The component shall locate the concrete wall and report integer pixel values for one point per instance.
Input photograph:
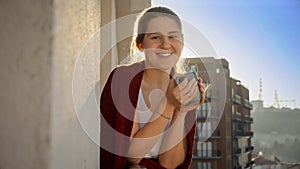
(75, 21)
(40, 41)
(40, 44)
(25, 83)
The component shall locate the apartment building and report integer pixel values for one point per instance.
(223, 137)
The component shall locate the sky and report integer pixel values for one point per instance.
(259, 39)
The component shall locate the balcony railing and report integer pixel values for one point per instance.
(237, 167)
(248, 119)
(239, 133)
(209, 135)
(204, 116)
(237, 152)
(247, 104)
(249, 164)
(237, 117)
(249, 148)
(236, 99)
(207, 154)
(248, 133)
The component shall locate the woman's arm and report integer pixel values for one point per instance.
(174, 146)
(151, 132)
(175, 141)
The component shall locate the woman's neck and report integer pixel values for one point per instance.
(156, 78)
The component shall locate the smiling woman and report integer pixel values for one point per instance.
(152, 29)
(155, 121)
(162, 44)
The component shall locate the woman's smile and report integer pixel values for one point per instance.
(164, 54)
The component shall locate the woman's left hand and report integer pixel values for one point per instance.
(186, 108)
(202, 90)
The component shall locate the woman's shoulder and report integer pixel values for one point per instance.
(123, 73)
(133, 66)
(129, 69)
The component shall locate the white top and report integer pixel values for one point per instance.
(144, 115)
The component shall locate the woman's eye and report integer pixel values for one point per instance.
(155, 37)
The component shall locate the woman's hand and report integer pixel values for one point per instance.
(202, 90)
(184, 92)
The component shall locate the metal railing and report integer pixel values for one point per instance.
(207, 154)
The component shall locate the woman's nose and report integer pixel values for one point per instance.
(165, 43)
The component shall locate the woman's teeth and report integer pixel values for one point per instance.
(164, 54)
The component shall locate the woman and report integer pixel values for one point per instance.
(142, 102)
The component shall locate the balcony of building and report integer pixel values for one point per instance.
(240, 133)
(208, 135)
(249, 148)
(237, 117)
(207, 116)
(247, 104)
(237, 133)
(248, 119)
(237, 167)
(207, 155)
(237, 152)
(249, 164)
(248, 133)
(236, 99)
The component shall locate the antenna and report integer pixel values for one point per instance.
(276, 101)
(260, 89)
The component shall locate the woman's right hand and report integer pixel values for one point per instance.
(183, 93)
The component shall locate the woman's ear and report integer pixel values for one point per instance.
(140, 46)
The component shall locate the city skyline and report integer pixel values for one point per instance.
(259, 40)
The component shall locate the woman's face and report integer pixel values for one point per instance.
(162, 44)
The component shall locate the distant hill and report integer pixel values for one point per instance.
(273, 120)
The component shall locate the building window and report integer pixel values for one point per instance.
(204, 149)
(199, 129)
(204, 110)
(207, 128)
(204, 165)
(204, 130)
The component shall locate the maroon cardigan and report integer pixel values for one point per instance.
(117, 105)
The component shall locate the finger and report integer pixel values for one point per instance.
(200, 80)
(202, 90)
(190, 85)
(191, 94)
(173, 94)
